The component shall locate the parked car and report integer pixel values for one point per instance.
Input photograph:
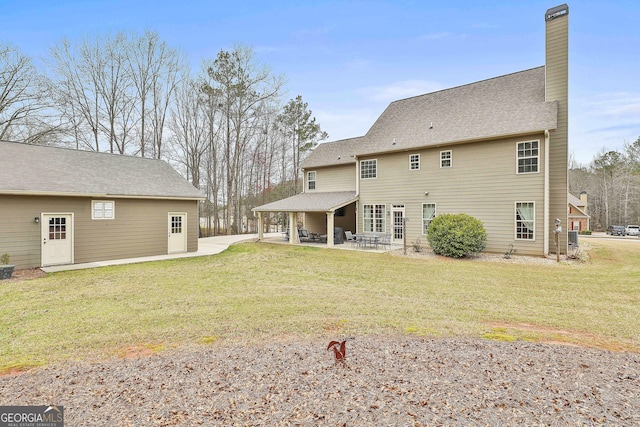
(633, 230)
(617, 230)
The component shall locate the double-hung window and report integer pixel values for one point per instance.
(428, 213)
(311, 180)
(368, 169)
(525, 220)
(102, 209)
(446, 159)
(414, 162)
(528, 156)
(373, 218)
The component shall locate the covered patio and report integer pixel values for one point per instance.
(322, 214)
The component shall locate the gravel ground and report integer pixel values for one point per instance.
(386, 381)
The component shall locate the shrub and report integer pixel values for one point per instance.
(456, 235)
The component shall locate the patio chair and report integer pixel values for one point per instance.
(350, 237)
(385, 240)
(303, 234)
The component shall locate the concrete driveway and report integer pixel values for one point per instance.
(206, 246)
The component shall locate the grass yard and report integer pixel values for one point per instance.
(261, 291)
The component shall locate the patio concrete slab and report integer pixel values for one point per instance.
(206, 246)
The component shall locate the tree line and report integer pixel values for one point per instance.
(225, 126)
(612, 183)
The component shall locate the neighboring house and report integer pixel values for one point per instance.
(495, 149)
(63, 206)
(578, 216)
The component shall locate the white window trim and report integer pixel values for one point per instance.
(410, 163)
(450, 159)
(373, 219)
(93, 210)
(435, 212)
(315, 180)
(518, 158)
(369, 160)
(515, 222)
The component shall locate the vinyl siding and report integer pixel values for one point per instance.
(557, 90)
(140, 228)
(334, 178)
(482, 182)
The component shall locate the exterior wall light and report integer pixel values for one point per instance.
(36, 219)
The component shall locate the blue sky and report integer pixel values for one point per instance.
(349, 59)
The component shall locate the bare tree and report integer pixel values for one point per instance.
(243, 87)
(155, 70)
(24, 101)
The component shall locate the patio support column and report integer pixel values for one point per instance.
(260, 226)
(293, 228)
(330, 225)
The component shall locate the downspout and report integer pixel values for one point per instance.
(357, 191)
(546, 193)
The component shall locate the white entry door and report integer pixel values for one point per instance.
(397, 215)
(57, 239)
(177, 233)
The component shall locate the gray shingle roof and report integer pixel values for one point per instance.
(37, 169)
(310, 202)
(575, 201)
(334, 153)
(513, 104)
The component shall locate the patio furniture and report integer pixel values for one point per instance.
(351, 238)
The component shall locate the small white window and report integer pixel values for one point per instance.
(103, 209)
(445, 159)
(528, 155)
(414, 162)
(525, 220)
(311, 180)
(368, 169)
(428, 213)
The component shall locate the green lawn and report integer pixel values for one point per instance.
(260, 291)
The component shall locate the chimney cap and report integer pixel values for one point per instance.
(556, 12)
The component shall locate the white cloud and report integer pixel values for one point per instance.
(347, 122)
(399, 90)
(436, 36)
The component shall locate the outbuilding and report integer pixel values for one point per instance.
(64, 206)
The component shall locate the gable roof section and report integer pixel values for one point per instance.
(334, 153)
(575, 201)
(579, 205)
(513, 104)
(310, 202)
(44, 170)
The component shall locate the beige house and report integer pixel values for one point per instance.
(495, 149)
(62, 206)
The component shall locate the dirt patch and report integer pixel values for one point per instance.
(26, 274)
(565, 337)
(136, 352)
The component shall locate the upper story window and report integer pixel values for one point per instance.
(528, 155)
(368, 169)
(103, 209)
(311, 180)
(414, 162)
(445, 159)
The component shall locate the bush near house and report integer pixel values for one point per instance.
(456, 235)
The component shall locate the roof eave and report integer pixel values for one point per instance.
(97, 195)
